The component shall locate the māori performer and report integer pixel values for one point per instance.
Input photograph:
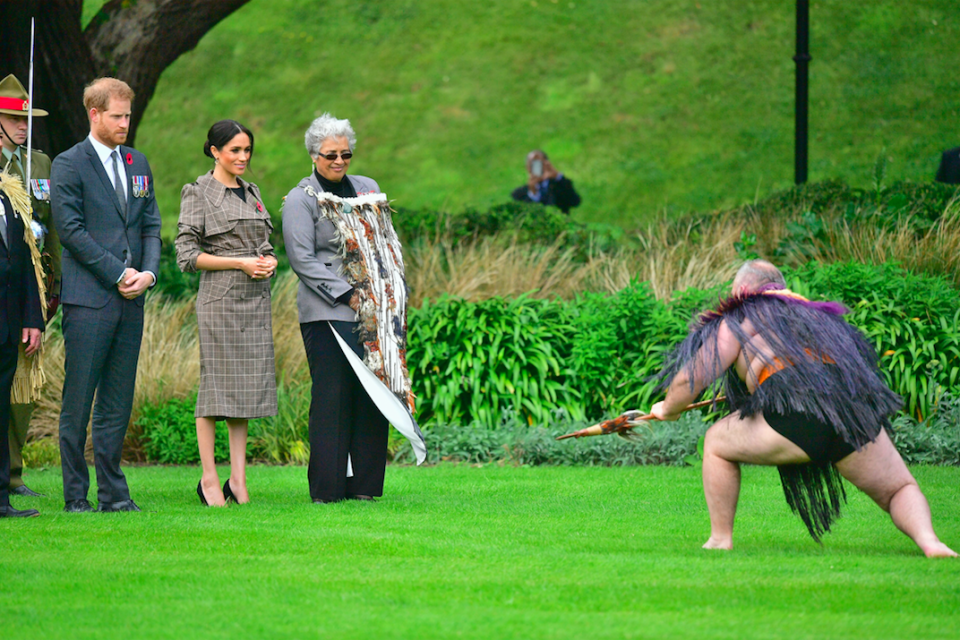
(806, 396)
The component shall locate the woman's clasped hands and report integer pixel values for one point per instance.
(259, 268)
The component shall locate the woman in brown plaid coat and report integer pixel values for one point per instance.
(224, 232)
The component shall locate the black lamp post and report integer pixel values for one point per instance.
(802, 58)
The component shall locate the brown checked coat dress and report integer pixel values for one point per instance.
(237, 371)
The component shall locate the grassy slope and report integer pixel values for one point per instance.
(473, 553)
(678, 104)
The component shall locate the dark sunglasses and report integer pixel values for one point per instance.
(346, 155)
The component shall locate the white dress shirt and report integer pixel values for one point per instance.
(104, 153)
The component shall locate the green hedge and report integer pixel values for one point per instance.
(935, 441)
(169, 433)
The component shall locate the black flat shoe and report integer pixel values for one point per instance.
(77, 506)
(24, 490)
(362, 498)
(203, 498)
(117, 507)
(10, 512)
(228, 493)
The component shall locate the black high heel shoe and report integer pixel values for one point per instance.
(228, 492)
(203, 498)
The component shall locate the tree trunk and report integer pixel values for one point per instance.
(132, 41)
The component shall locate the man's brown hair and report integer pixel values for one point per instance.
(97, 94)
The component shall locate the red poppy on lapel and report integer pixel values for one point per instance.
(129, 158)
(259, 207)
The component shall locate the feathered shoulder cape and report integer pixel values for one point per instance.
(824, 366)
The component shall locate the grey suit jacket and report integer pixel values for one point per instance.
(95, 235)
(313, 251)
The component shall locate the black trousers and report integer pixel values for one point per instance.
(102, 350)
(343, 419)
(8, 366)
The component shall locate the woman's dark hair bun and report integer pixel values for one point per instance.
(223, 132)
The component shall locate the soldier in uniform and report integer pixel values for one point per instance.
(13, 135)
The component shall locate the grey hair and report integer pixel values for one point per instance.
(756, 273)
(326, 126)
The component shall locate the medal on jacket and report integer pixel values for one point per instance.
(41, 189)
(141, 186)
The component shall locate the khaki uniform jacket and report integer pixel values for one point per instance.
(40, 170)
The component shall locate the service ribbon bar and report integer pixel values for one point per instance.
(141, 186)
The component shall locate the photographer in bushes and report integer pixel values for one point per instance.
(546, 185)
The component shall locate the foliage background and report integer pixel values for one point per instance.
(648, 105)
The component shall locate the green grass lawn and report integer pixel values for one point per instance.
(457, 551)
(646, 105)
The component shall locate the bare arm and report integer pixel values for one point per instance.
(704, 371)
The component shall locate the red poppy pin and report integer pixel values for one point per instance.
(129, 158)
(259, 207)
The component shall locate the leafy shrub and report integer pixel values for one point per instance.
(521, 222)
(619, 342)
(284, 438)
(851, 282)
(923, 202)
(169, 433)
(475, 361)
(913, 322)
(41, 453)
(815, 197)
(919, 358)
(935, 440)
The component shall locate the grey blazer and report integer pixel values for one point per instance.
(313, 252)
(96, 237)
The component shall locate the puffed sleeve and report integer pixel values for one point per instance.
(190, 228)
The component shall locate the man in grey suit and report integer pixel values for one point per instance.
(109, 225)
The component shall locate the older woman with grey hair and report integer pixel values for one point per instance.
(344, 422)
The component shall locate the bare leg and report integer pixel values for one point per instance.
(721, 488)
(238, 459)
(209, 482)
(728, 443)
(879, 471)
